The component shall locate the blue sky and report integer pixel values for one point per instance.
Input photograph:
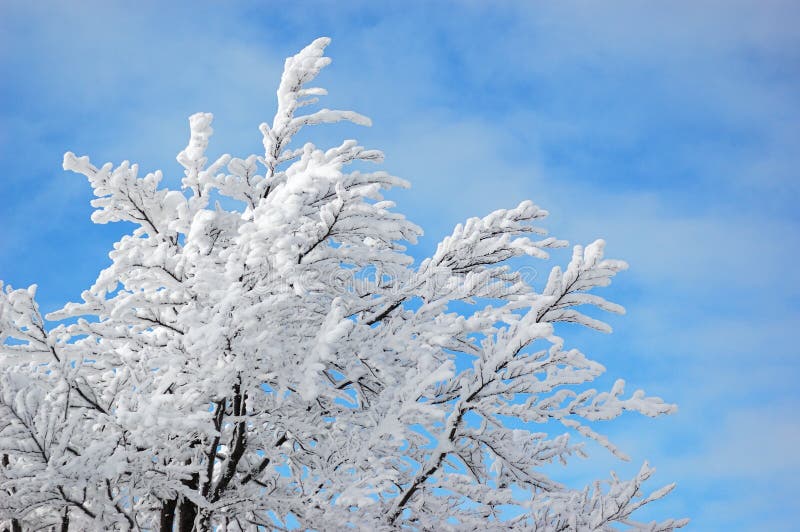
(672, 130)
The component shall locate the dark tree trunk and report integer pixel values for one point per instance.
(65, 521)
(187, 510)
(187, 513)
(167, 516)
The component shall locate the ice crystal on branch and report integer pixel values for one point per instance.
(286, 362)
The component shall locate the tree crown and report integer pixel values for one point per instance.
(282, 359)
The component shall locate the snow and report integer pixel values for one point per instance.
(243, 362)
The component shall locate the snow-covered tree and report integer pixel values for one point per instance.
(262, 352)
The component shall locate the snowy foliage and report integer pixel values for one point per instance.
(282, 361)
